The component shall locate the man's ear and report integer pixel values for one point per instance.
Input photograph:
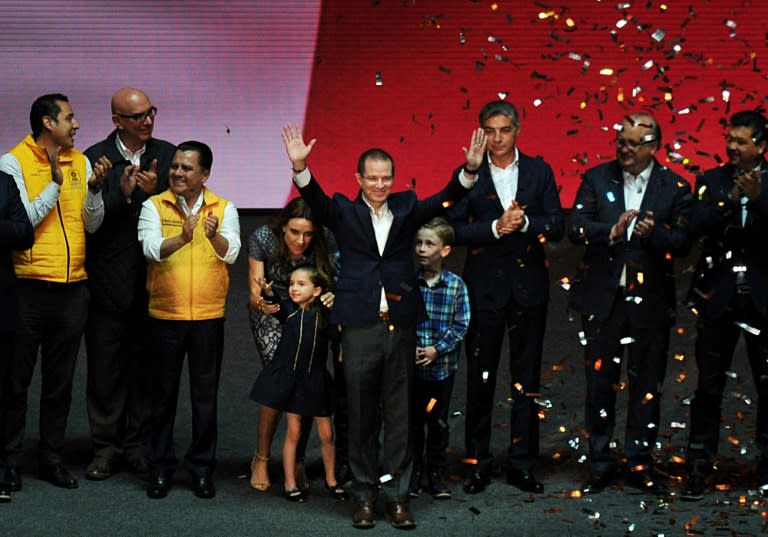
(48, 122)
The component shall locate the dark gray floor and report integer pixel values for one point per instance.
(119, 506)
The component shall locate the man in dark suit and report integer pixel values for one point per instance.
(504, 222)
(377, 304)
(729, 292)
(16, 233)
(118, 396)
(632, 215)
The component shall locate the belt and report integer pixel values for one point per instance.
(384, 315)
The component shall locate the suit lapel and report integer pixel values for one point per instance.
(363, 213)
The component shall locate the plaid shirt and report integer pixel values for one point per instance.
(447, 322)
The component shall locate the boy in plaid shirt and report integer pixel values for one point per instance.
(437, 353)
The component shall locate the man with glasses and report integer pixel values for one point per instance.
(729, 293)
(118, 397)
(377, 305)
(632, 215)
(504, 221)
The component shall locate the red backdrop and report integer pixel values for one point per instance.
(573, 71)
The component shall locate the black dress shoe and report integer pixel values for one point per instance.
(12, 478)
(57, 474)
(476, 482)
(524, 480)
(203, 487)
(597, 482)
(646, 481)
(694, 487)
(158, 487)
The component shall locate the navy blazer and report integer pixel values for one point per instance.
(363, 270)
(515, 264)
(16, 233)
(726, 244)
(649, 277)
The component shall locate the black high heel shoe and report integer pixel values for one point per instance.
(295, 495)
(336, 491)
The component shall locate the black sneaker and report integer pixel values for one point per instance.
(694, 487)
(437, 486)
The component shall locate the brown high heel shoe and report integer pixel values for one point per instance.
(255, 482)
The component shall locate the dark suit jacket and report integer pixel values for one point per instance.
(726, 244)
(16, 233)
(115, 264)
(598, 205)
(363, 270)
(515, 264)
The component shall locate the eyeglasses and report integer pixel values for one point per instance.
(372, 179)
(631, 144)
(141, 117)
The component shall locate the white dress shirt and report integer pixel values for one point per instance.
(634, 191)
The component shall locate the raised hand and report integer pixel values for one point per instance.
(147, 181)
(128, 180)
(474, 153)
(295, 147)
(56, 175)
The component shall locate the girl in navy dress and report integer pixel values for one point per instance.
(297, 380)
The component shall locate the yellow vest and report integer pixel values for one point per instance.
(190, 284)
(58, 254)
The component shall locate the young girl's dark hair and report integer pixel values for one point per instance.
(318, 279)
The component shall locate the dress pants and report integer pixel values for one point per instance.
(484, 341)
(7, 339)
(51, 319)
(118, 392)
(715, 344)
(378, 368)
(203, 344)
(646, 366)
(435, 420)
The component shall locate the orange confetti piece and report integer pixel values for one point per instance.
(431, 405)
(598, 364)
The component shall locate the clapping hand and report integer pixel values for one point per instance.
(644, 227)
(147, 181)
(100, 170)
(56, 175)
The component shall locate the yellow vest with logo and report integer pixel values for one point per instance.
(58, 254)
(190, 284)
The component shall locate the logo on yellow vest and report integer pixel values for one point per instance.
(74, 178)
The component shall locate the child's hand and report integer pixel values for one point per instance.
(425, 355)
